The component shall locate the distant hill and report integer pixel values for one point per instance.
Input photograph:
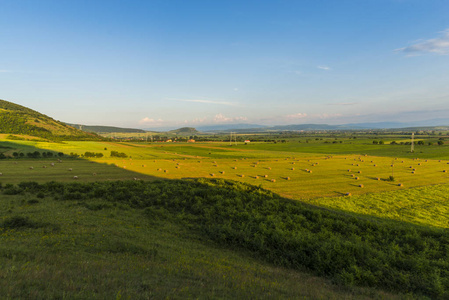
(105, 129)
(17, 119)
(184, 131)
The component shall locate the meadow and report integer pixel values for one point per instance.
(348, 180)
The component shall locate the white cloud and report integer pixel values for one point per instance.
(5, 71)
(325, 68)
(236, 89)
(219, 118)
(149, 121)
(438, 46)
(207, 101)
(297, 116)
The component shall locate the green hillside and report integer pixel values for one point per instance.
(184, 131)
(105, 129)
(17, 119)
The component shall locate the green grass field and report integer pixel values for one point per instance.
(315, 173)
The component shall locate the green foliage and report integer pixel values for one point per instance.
(19, 222)
(350, 249)
(118, 154)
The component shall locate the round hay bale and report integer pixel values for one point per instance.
(70, 169)
(1, 174)
(356, 178)
(307, 170)
(165, 171)
(222, 172)
(242, 175)
(288, 178)
(212, 174)
(269, 168)
(348, 194)
(31, 168)
(352, 175)
(266, 176)
(375, 165)
(44, 167)
(360, 172)
(377, 178)
(358, 165)
(75, 177)
(349, 170)
(293, 169)
(400, 184)
(273, 180)
(52, 164)
(444, 171)
(360, 185)
(256, 177)
(159, 169)
(94, 174)
(413, 172)
(310, 171)
(235, 168)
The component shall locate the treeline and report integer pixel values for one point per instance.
(350, 249)
(35, 154)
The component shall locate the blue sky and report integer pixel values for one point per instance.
(149, 64)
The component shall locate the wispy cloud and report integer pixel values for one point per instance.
(150, 121)
(325, 68)
(438, 46)
(220, 118)
(206, 101)
(297, 116)
(5, 71)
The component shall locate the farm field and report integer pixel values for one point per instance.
(297, 175)
(415, 202)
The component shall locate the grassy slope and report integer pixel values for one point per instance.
(111, 251)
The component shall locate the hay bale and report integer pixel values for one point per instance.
(52, 164)
(75, 177)
(165, 171)
(348, 194)
(400, 184)
(360, 185)
(94, 174)
(357, 178)
(307, 170)
(256, 177)
(159, 169)
(266, 176)
(352, 175)
(413, 172)
(212, 174)
(310, 171)
(293, 169)
(242, 175)
(377, 178)
(349, 170)
(235, 168)
(375, 165)
(360, 172)
(222, 172)
(444, 171)
(273, 180)
(269, 168)
(31, 168)
(288, 178)
(44, 167)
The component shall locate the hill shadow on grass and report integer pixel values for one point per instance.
(49, 166)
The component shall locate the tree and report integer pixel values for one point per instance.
(440, 142)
